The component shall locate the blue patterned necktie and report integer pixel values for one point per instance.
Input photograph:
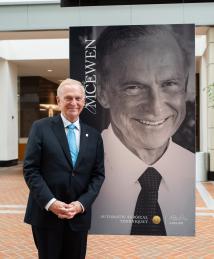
(72, 143)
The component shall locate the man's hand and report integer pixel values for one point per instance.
(64, 210)
(59, 208)
(72, 209)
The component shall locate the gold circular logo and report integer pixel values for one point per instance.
(156, 220)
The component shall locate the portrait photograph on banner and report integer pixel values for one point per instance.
(140, 93)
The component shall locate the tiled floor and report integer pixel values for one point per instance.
(16, 240)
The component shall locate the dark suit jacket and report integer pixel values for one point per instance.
(49, 172)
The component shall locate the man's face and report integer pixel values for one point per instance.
(146, 92)
(71, 101)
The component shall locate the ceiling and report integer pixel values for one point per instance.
(60, 68)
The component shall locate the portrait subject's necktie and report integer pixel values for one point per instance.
(72, 143)
(148, 219)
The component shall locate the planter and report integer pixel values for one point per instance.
(201, 166)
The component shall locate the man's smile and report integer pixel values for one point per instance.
(153, 123)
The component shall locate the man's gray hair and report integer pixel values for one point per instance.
(70, 82)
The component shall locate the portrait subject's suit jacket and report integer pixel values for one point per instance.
(49, 172)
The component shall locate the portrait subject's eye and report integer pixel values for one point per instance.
(133, 89)
(171, 84)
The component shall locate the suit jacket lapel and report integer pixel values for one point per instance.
(84, 135)
(59, 131)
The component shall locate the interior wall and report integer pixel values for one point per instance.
(52, 16)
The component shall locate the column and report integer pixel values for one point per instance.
(210, 119)
(8, 114)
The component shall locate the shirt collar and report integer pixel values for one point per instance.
(131, 162)
(121, 159)
(67, 122)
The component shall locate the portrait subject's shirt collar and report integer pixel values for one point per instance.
(123, 167)
(132, 162)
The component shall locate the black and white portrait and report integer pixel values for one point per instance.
(144, 81)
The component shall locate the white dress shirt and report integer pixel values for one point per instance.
(77, 135)
(116, 202)
(76, 129)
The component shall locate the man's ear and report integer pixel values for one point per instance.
(57, 99)
(102, 96)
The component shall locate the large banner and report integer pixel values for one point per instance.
(67, 3)
(140, 83)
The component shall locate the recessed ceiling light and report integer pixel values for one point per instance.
(50, 70)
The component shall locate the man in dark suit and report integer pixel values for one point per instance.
(64, 170)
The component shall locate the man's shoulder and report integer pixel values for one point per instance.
(183, 152)
(45, 121)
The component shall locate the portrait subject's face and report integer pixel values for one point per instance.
(71, 101)
(146, 91)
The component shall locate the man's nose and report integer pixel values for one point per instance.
(73, 101)
(156, 101)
